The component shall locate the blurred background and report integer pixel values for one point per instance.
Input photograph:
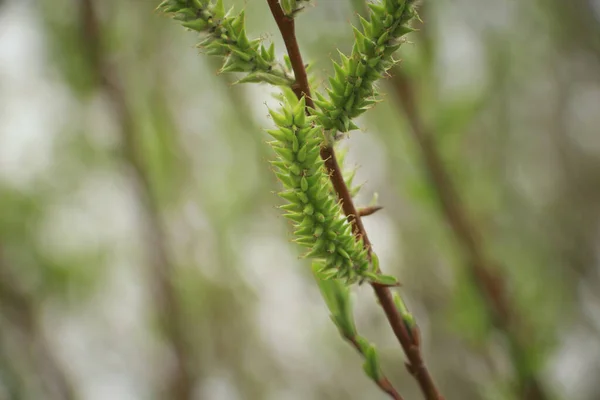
(142, 255)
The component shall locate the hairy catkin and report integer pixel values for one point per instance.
(318, 220)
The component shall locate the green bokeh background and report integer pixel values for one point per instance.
(90, 230)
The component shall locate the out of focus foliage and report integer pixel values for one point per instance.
(92, 232)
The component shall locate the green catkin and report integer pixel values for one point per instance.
(319, 223)
(318, 220)
(313, 208)
(352, 89)
(225, 36)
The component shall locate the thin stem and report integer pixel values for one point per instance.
(287, 28)
(181, 382)
(415, 365)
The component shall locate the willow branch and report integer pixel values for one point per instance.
(181, 382)
(301, 88)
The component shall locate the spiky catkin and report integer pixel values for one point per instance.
(226, 37)
(352, 88)
(319, 222)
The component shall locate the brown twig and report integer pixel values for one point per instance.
(415, 364)
(181, 382)
(490, 284)
(366, 211)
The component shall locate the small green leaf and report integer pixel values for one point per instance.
(375, 262)
(264, 77)
(386, 280)
(371, 365)
(196, 25)
(288, 62)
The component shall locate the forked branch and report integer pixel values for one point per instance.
(407, 338)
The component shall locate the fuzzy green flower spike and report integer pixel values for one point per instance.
(227, 38)
(352, 90)
(319, 222)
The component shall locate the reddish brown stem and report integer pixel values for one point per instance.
(301, 87)
(287, 27)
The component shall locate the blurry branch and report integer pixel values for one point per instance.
(237, 96)
(18, 307)
(484, 271)
(181, 383)
(12, 383)
(396, 320)
(577, 24)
